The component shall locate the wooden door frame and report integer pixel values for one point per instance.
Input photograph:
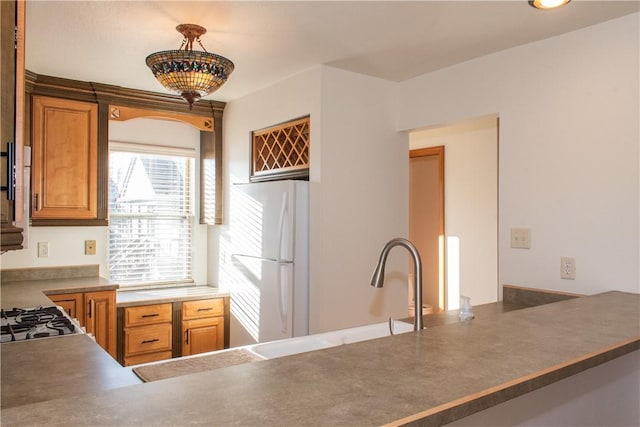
(438, 151)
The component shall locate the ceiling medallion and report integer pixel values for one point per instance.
(190, 73)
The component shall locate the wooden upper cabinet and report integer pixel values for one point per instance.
(64, 159)
(12, 96)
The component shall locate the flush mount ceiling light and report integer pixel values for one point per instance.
(547, 4)
(187, 72)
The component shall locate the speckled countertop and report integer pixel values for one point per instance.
(58, 367)
(158, 296)
(433, 376)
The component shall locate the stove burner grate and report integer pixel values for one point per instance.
(25, 324)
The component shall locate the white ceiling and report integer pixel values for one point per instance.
(108, 41)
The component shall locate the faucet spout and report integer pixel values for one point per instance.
(377, 279)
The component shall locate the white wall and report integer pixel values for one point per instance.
(359, 194)
(66, 247)
(66, 244)
(569, 131)
(292, 98)
(361, 202)
(471, 202)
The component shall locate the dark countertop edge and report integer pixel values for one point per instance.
(81, 288)
(468, 405)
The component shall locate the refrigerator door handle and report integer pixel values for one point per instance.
(284, 212)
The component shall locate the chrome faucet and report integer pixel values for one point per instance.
(377, 280)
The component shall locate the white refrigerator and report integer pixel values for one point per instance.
(269, 244)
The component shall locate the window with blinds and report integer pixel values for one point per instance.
(151, 214)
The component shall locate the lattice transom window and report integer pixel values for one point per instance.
(281, 151)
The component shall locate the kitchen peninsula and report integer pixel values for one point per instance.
(431, 377)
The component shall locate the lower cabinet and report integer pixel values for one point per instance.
(96, 311)
(100, 318)
(202, 326)
(73, 304)
(152, 332)
(147, 333)
(202, 335)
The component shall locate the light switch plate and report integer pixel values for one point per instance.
(89, 247)
(521, 238)
(43, 249)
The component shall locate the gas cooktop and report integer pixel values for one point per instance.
(19, 324)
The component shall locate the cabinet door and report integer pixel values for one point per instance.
(100, 318)
(65, 159)
(202, 335)
(12, 14)
(73, 304)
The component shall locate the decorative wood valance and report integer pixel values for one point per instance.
(119, 103)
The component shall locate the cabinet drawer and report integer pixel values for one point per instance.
(147, 339)
(202, 308)
(147, 315)
(146, 358)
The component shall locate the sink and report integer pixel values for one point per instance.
(369, 332)
(285, 347)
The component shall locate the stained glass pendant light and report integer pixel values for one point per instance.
(187, 72)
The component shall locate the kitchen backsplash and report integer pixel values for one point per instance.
(44, 273)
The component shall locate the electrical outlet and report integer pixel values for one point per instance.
(89, 247)
(520, 238)
(567, 268)
(43, 249)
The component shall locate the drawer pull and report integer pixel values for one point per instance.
(151, 315)
(150, 341)
(205, 309)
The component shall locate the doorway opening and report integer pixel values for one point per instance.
(426, 222)
(460, 253)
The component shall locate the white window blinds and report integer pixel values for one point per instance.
(150, 214)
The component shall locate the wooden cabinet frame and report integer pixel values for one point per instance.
(12, 117)
(137, 102)
(96, 311)
(281, 151)
(177, 331)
